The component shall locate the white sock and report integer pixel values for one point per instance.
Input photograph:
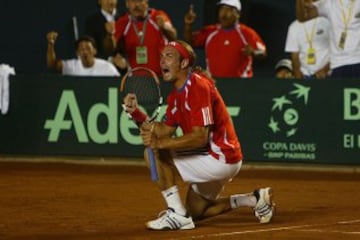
(173, 200)
(242, 200)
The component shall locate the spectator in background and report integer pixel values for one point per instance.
(141, 34)
(309, 45)
(96, 25)
(284, 69)
(344, 17)
(85, 65)
(229, 45)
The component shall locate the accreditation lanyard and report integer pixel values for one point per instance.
(140, 34)
(346, 21)
(141, 50)
(310, 54)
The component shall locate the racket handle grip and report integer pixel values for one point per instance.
(152, 162)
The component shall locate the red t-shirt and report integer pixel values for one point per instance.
(224, 49)
(126, 34)
(199, 103)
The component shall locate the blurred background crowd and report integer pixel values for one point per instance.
(268, 30)
(23, 44)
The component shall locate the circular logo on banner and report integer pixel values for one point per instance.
(285, 115)
(291, 116)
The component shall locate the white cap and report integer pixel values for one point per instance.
(284, 63)
(232, 3)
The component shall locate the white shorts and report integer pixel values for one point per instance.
(206, 174)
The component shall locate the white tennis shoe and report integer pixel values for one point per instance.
(265, 207)
(170, 220)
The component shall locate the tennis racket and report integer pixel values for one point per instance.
(145, 84)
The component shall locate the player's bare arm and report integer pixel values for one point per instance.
(150, 132)
(161, 130)
(197, 138)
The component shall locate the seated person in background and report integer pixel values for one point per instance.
(98, 25)
(230, 46)
(284, 69)
(85, 65)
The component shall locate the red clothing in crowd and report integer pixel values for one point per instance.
(225, 48)
(128, 33)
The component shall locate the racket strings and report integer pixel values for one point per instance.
(146, 90)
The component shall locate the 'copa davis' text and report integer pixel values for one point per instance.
(284, 150)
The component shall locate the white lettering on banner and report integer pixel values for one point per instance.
(289, 150)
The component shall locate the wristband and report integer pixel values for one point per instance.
(138, 116)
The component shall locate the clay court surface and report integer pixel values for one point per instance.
(96, 199)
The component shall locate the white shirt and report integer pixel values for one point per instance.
(299, 34)
(109, 17)
(333, 10)
(101, 67)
